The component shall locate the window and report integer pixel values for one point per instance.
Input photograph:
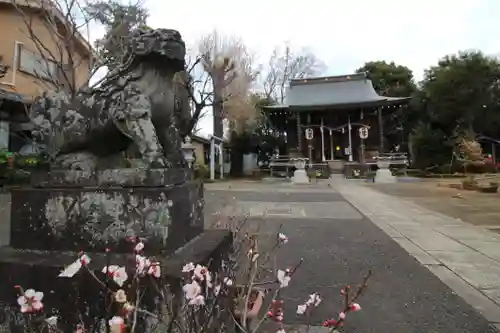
(36, 65)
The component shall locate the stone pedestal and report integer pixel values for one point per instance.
(384, 174)
(300, 175)
(67, 212)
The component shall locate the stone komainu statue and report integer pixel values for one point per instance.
(139, 103)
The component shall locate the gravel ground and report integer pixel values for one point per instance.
(339, 249)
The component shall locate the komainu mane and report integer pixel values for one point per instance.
(138, 104)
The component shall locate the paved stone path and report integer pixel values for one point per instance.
(339, 244)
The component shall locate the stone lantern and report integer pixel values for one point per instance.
(188, 151)
(300, 174)
(384, 174)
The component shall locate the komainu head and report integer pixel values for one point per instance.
(163, 45)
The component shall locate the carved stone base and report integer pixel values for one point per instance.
(112, 177)
(95, 218)
(300, 177)
(384, 176)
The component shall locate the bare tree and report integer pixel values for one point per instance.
(66, 55)
(217, 57)
(285, 65)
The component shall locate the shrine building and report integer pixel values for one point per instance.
(334, 118)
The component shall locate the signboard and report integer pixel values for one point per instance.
(363, 132)
(309, 133)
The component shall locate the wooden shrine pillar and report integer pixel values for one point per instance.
(299, 134)
(362, 141)
(380, 130)
(309, 142)
(323, 158)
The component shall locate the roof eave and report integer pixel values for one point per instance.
(351, 105)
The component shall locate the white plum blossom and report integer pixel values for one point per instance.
(283, 239)
(228, 281)
(189, 267)
(198, 300)
(30, 301)
(142, 264)
(139, 247)
(51, 321)
(72, 269)
(301, 309)
(120, 296)
(117, 273)
(283, 278)
(313, 301)
(191, 290)
(281, 330)
(217, 289)
(200, 272)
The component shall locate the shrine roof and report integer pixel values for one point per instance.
(345, 91)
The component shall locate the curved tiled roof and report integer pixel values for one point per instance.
(334, 91)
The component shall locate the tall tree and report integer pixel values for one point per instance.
(389, 79)
(462, 93)
(118, 20)
(459, 99)
(224, 59)
(287, 64)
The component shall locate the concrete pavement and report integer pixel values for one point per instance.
(339, 243)
(463, 256)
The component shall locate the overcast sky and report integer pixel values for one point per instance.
(344, 34)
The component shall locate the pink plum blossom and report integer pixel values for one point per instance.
(355, 307)
(283, 239)
(30, 301)
(117, 273)
(342, 316)
(155, 270)
(117, 324)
